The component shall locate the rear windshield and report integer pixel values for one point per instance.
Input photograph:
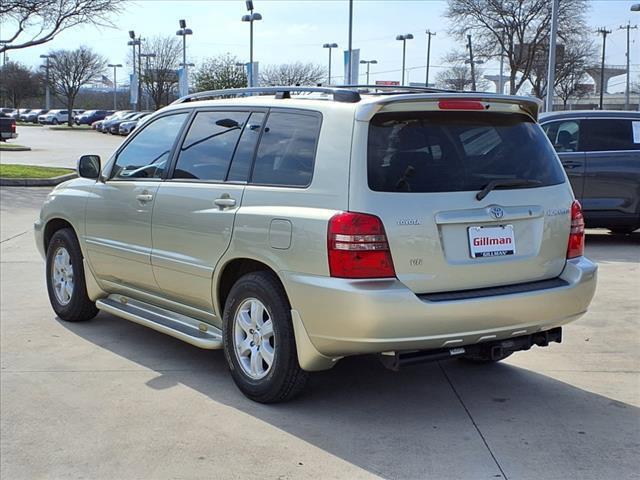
(456, 151)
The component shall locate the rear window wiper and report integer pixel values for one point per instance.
(504, 183)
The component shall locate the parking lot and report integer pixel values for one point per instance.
(110, 399)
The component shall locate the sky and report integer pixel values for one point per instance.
(295, 31)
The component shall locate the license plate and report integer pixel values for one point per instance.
(491, 241)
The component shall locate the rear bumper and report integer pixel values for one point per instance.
(347, 317)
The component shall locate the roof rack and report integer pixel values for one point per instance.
(390, 89)
(347, 95)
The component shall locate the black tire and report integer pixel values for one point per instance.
(54, 121)
(284, 379)
(484, 358)
(623, 230)
(79, 307)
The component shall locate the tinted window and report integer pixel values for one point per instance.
(243, 157)
(564, 135)
(287, 150)
(607, 134)
(146, 156)
(456, 151)
(209, 145)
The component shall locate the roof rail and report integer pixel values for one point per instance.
(339, 94)
(406, 88)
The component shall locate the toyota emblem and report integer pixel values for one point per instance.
(496, 212)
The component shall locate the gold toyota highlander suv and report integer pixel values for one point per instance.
(294, 226)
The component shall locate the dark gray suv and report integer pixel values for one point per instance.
(600, 150)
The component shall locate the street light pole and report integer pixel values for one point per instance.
(252, 17)
(604, 33)
(350, 46)
(551, 69)
(429, 35)
(133, 42)
(47, 94)
(115, 84)
(183, 32)
(368, 63)
(330, 46)
(404, 38)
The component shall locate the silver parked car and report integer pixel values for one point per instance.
(305, 224)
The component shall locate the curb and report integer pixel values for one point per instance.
(35, 182)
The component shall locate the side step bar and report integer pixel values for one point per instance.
(495, 349)
(184, 328)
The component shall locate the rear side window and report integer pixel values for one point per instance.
(287, 150)
(564, 135)
(607, 135)
(208, 147)
(456, 151)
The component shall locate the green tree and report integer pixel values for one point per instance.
(218, 73)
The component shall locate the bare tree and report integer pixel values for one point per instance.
(458, 75)
(573, 58)
(297, 73)
(220, 72)
(18, 83)
(26, 23)
(70, 70)
(517, 27)
(160, 81)
(572, 86)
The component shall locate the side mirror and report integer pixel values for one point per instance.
(89, 166)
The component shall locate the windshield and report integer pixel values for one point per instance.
(457, 151)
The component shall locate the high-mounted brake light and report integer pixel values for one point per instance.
(358, 247)
(461, 105)
(576, 234)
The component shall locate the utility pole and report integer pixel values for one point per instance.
(429, 34)
(604, 32)
(628, 28)
(551, 69)
(473, 71)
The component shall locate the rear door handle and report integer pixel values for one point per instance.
(570, 164)
(225, 201)
(144, 197)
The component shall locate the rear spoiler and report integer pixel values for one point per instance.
(530, 106)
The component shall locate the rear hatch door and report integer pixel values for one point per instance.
(420, 171)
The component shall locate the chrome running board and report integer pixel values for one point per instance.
(178, 326)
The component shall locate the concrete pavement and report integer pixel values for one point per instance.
(60, 148)
(108, 399)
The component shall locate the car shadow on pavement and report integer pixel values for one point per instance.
(431, 421)
(603, 246)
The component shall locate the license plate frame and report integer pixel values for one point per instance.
(491, 241)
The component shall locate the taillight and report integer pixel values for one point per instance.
(13, 127)
(460, 105)
(358, 247)
(576, 234)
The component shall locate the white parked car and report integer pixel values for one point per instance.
(54, 117)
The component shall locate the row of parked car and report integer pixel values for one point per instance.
(121, 122)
